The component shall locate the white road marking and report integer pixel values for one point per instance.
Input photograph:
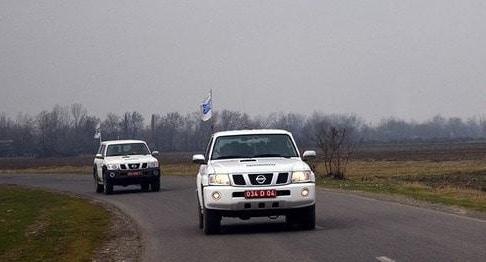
(384, 259)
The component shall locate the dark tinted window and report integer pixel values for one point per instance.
(127, 149)
(252, 146)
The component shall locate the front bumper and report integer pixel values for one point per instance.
(232, 199)
(122, 177)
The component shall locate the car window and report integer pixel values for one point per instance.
(127, 149)
(252, 146)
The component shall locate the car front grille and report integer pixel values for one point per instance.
(133, 166)
(260, 179)
(263, 179)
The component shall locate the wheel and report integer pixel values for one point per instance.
(305, 217)
(201, 217)
(99, 188)
(108, 186)
(211, 222)
(155, 186)
(308, 218)
(145, 187)
(290, 219)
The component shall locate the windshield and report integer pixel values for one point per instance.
(250, 146)
(127, 149)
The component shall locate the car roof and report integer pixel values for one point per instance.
(252, 132)
(117, 142)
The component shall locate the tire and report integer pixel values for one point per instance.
(290, 220)
(99, 188)
(155, 186)
(308, 218)
(108, 186)
(201, 217)
(305, 217)
(145, 187)
(211, 222)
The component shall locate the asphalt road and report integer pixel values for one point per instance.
(350, 227)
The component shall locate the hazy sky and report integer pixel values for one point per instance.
(409, 59)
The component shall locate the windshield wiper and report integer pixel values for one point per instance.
(271, 155)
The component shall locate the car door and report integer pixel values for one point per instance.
(99, 162)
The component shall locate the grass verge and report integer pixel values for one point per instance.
(36, 225)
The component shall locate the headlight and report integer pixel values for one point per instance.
(302, 176)
(219, 180)
(113, 166)
(153, 164)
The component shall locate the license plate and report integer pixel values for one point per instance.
(134, 173)
(267, 193)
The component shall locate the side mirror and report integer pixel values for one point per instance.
(99, 156)
(155, 153)
(309, 154)
(198, 159)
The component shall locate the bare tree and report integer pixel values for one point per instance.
(110, 127)
(132, 125)
(334, 136)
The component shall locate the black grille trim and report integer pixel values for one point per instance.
(282, 178)
(239, 180)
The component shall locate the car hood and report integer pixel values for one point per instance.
(258, 165)
(129, 159)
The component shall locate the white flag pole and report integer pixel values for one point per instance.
(212, 107)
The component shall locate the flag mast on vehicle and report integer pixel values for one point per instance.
(207, 109)
(97, 134)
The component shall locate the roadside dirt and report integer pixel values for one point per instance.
(124, 241)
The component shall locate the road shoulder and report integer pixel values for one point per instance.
(403, 200)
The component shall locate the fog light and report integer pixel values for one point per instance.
(156, 172)
(112, 175)
(216, 195)
(305, 192)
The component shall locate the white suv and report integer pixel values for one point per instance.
(125, 162)
(254, 173)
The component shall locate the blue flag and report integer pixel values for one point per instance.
(207, 108)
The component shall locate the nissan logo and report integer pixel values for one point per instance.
(261, 179)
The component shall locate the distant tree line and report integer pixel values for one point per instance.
(69, 130)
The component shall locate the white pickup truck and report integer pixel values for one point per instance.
(125, 162)
(254, 173)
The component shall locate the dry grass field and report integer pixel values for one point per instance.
(457, 183)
